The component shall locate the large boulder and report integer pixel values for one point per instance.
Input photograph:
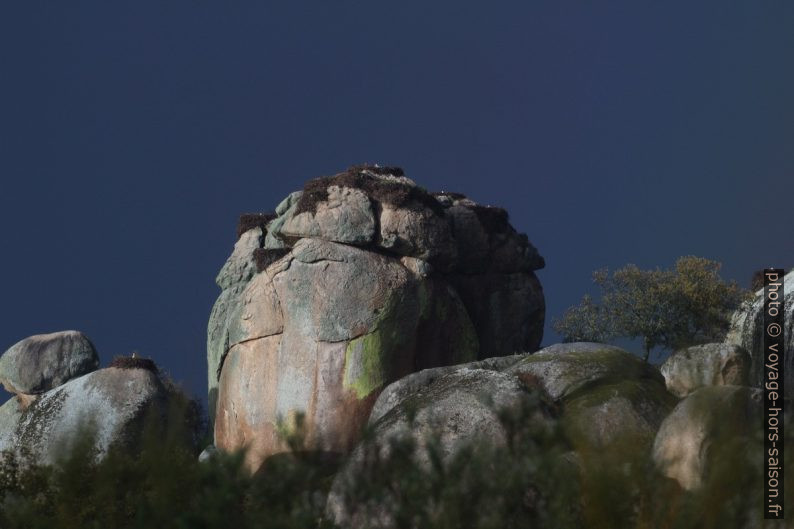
(490, 265)
(598, 399)
(45, 361)
(567, 368)
(345, 216)
(415, 383)
(714, 364)
(319, 333)
(747, 330)
(714, 428)
(455, 410)
(607, 395)
(610, 397)
(109, 403)
(358, 280)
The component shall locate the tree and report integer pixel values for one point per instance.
(687, 305)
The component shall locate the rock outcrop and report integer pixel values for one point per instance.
(110, 403)
(42, 362)
(459, 408)
(747, 330)
(609, 396)
(60, 395)
(606, 394)
(601, 397)
(714, 364)
(353, 283)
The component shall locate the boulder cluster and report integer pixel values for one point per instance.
(602, 397)
(352, 283)
(59, 391)
(366, 302)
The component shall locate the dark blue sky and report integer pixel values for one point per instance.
(131, 137)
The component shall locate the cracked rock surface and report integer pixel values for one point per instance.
(357, 280)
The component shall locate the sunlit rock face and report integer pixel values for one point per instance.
(110, 404)
(713, 364)
(747, 330)
(354, 282)
(712, 426)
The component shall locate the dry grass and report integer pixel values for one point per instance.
(128, 362)
(364, 177)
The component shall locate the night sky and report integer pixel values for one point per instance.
(132, 137)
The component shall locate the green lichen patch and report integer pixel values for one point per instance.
(365, 364)
(378, 357)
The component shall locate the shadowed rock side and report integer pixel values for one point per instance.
(360, 279)
(747, 330)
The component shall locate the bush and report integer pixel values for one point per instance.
(532, 481)
(248, 221)
(133, 362)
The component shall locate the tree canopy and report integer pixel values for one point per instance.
(679, 307)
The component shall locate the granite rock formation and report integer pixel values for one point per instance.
(354, 282)
(59, 394)
(601, 397)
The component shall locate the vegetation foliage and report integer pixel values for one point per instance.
(134, 362)
(671, 309)
(533, 480)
